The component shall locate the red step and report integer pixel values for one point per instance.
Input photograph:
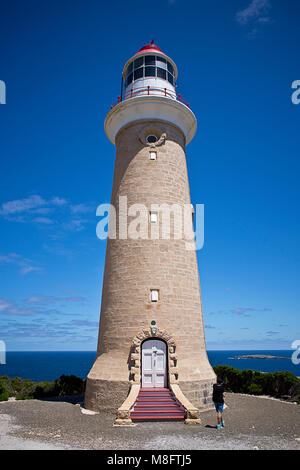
(156, 404)
(158, 389)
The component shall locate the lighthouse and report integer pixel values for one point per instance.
(151, 359)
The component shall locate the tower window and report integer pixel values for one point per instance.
(152, 155)
(154, 295)
(151, 139)
(153, 217)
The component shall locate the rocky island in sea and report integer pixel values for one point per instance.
(259, 356)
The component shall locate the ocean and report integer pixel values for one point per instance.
(49, 365)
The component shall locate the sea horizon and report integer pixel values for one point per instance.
(46, 365)
(93, 350)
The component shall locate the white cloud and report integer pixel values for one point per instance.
(4, 305)
(82, 208)
(255, 17)
(42, 307)
(32, 204)
(52, 299)
(43, 220)
(65, 217)
(58, 201)
(255, 10)
(21, 205)
(26, 265)
(29, 269)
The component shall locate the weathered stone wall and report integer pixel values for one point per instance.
(134, 267)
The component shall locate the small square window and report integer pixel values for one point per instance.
(154, 295)
(153, 217)
(152, 155)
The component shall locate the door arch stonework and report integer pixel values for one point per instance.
(135, 355)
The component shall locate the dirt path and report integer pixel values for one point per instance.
(250, 423)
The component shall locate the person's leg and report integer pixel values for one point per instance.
(219, 410)
(219, 415)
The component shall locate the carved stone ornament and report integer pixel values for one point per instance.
(152, 130)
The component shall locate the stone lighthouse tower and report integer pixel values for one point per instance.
(151, 335)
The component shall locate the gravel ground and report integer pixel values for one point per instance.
(250, 423)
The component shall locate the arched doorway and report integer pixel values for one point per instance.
(154, 363)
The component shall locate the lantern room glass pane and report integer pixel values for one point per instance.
(129, 69)
(149, 71)
(150, 60)
(170, 78)
(170, 68)
(138, 73)
(129, 79)
(160, 62)
(161, 73)
(138, 62)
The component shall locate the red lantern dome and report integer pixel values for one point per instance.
(150, 48)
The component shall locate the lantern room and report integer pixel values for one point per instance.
(148, 92)
(149, 69)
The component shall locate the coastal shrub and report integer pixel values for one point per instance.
(23, 396)
(276, 384)
(283, 382)
(3, 393)
(295, 392)
(25, 389)
(22, 389)
(69, 385)
(246, 378)
(45, 389)
(255, 389)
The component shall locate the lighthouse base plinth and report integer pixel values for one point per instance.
(199, 392)
(105, 395)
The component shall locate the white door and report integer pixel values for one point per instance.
(154, 364)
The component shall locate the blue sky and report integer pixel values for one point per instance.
(61, 62)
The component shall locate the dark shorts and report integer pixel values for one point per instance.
(219, 407)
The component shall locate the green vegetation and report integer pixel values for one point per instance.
(3, 393)
(25, 389)
(276, 384)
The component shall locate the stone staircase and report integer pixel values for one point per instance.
(156, 404)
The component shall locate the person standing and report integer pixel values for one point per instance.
(218, 399)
